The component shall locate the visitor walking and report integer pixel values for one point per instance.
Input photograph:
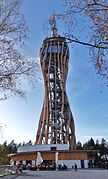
(75, 167)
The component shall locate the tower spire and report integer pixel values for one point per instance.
(52, 22)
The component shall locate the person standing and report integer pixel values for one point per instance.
(75, 167)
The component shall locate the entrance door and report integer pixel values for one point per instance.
(82, 164)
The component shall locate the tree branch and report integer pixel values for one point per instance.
(87, 44)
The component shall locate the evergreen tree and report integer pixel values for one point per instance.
(79, 145)
(90, 145)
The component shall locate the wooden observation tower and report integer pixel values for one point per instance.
(56, 123)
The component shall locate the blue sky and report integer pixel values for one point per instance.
(87, 96)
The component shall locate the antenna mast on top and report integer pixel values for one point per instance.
(52, 22)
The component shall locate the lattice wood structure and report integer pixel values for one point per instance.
(56, 123)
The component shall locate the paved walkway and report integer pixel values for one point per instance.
(80, 174)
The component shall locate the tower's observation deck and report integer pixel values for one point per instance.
(56, 124)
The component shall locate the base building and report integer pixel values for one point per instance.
(28, 154)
